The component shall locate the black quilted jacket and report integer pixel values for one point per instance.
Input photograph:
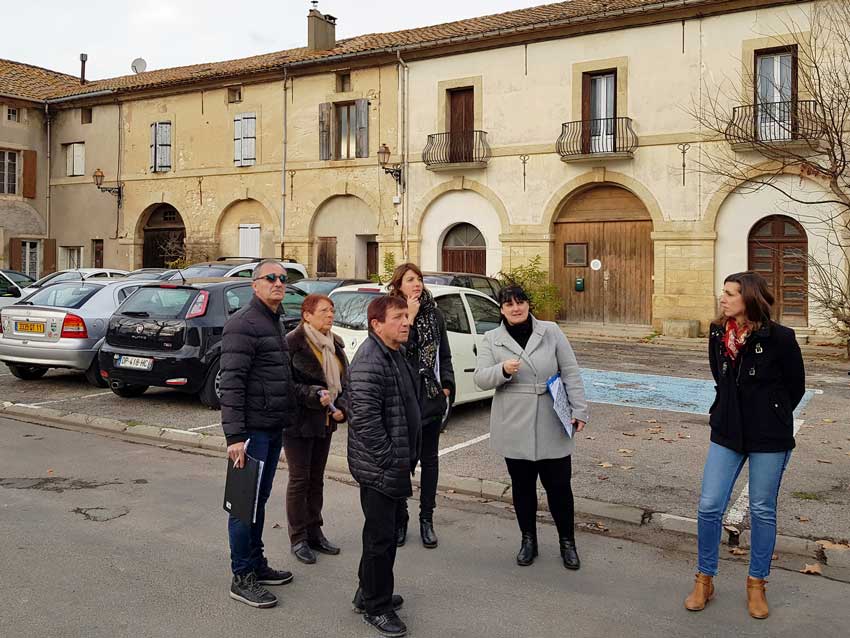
(380, 455)
(257, 389)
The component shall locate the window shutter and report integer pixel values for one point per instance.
(30, 174)
(237, 140)
(79, 159)
(48, 257)
(361, 108)
(16, 260)
(249, 139)
(325, 131)
(153, 148)
(163, 146)
(69, 160)
(326, 262)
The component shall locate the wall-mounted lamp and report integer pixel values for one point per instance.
(97, 176)
(390, 169)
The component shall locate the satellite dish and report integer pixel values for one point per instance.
(139, 65)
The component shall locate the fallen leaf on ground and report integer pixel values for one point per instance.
(652, 420)
(831, 545)
(629, 434)
(666, 440)
(602, 477)
(814, 570)
(829, 420)
(625, 450)
(737, 551)
(803, 519)
(590, 438)
(627, 467)
(683, 436)
(824, 461)
(649, 438)
(605, 465)
(774, 557)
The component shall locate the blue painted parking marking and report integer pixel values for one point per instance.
(656, 392)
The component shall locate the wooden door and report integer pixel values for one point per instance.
(371, 258)
(97, 253)
(778, 250)
(589, 304)
(627, 272)
(326, 261)
(461, 124)
(471, 260)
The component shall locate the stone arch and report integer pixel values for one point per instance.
(160, 235)
(21, 219)
(246, 211)
(460, 184)
(341, 188)
(342, 230)
(598, 177)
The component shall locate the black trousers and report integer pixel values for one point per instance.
(379, 548)
(555, 474)
(429, 474)
(306, 458)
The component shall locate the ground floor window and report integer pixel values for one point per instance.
(29, 258)
(70, 257)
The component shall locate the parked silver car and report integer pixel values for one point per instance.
(60, 326)
(74, 274)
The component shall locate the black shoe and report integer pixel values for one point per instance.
(388, 624)
(247, 590)
(401, 534)
(429, 537)
(527, 550)
(322, 545)
(303, 553)
(269, 576)
(359, 607)
(569, 553)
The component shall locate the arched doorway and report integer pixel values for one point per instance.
(344, 231)
(603, 257)
(464, 250)
(778, 250)
(164, 233)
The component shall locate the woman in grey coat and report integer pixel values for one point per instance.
(517, 359)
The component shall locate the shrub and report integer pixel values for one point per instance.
(544, 295)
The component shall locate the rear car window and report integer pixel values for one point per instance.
(68, 275)
(159, 302)
(64, 295)
(350, 309)
(315, 287)
(206, 271)
(293, 275)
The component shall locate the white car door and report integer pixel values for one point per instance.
(9, 292)
(485, 317)
(462, 343)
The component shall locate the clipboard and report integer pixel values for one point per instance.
(242, 489)
(560, 403)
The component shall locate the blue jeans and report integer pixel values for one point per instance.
(722, 468)
(246, 541)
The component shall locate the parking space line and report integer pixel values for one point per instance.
(460, 446)
(85, 396)
(205, 427)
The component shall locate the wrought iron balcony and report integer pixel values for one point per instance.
(591, 139)
(771, 122)
(445, 150)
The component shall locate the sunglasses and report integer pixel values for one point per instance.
(271, 278)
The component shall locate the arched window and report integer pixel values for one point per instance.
(464, 250)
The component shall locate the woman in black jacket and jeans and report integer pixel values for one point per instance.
(758, 369)
(429, 354)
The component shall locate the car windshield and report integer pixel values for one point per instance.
(158, 302)
(19, 278)
(437, 280)
(215, 270)
(314, 287)
(350, 309)
(144, 275)
(64, 295)
(65, 275)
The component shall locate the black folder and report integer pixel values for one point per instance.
(242, 489)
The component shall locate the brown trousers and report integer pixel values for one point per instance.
(306, 458)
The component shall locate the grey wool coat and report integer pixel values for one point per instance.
(523, 423)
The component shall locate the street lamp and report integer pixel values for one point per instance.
(97, 176)
(390, 169)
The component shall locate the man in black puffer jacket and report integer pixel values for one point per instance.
(384, 441)
(258, 400)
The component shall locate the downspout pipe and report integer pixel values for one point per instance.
(47, 116)
(283, 169)
(405, 164)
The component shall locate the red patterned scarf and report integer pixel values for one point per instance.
(734, 338)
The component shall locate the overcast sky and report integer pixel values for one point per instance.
(166, 33)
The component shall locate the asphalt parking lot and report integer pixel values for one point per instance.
(645, 444)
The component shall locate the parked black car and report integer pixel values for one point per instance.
(324, 285)
(168, 334)
(487, 285)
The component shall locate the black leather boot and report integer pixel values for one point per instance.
(429, 536)
(569, 553)
(401, 534)
(527, 551)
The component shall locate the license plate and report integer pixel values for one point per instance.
(135, 363)
(29, 326)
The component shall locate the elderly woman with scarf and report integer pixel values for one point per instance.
(760, 378)
(318, 359)
(429, 354)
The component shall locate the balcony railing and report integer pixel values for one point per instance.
(608, 135)
(456, 147)
(775, 122)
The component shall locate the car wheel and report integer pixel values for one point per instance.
(210, 394)
(93, 375)
(130, 391)
(27, 373)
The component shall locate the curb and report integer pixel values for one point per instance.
(469, 486)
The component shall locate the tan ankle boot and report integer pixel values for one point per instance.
(756, 600)
(702, 593)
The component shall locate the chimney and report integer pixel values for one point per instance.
(321, 30)
(83, 58)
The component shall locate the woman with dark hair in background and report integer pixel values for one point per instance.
(758, 369)
(517, 359)
(318, 359)
(429, 355)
